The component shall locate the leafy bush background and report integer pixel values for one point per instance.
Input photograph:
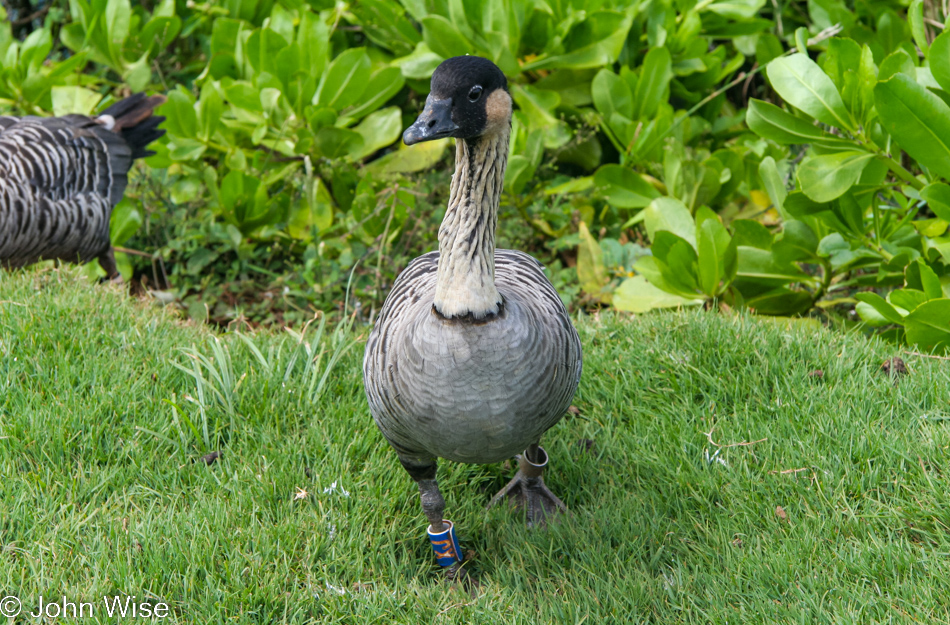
(653, 163)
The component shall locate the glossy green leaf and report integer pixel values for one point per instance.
(832, 244)
(843, 57)
(262, 48)
(233, 188)
(385, 23)
(210, 108)
(715, 258)
(761, 267)
(802, 84)
(539, 105)
(906, 299)
(767, 47)
(594, 42)
(379, 129)
(443, 37)
(116, 21)
(244, 95)
(898, 62)
(911, 271)
(937, 196)
(332, 142)
(73, 37)
(678, 264)
(798, 205)
(892, 29)
(236, 159)
(878, 303)
(180, 116)
(345, 80)
(870, 316)
(625, 129)
(161, 31)
(915, 16)
(591, 271)
(124, 222)
(798, 242)
(929, 280)
(928, 326)
(522, 167)
(575, 185)
(383, 85)
(801, 40)
(827, 177)
(419, 64)
(638, 295)
(917, 119)
(624, 188)
(773, 184)
(940, 59)
(34, 50)
(66, 67)
(270, 99)
(138, 74)
(858, 91)
(656, 272)
(409, 159)
(770, 122)
(736, 9)
(751, 233)
(850, 214)
(315, 212)
(224, 35)
(313, 37)
(611, 94)
(520, 170)
(74, 100)
(780, 301)
(671, 215)
(654, 84)
(186, 149)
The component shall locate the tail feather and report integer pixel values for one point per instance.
(133, 119)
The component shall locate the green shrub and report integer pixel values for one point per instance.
(641, 170)
(868, 138)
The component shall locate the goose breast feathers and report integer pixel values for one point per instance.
(471, 390)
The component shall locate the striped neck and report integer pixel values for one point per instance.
(465, 283)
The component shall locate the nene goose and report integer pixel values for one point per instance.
(60, 178)
(473, 356)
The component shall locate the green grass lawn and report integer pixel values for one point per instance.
(838, 512)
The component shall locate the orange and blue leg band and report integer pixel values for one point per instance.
(445, 545)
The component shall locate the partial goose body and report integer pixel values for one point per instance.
(60, 178)
(467, 390)
(473, 356)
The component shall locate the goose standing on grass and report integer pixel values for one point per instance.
(473, 356)
(60, 178)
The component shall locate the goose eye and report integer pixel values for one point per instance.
(475, 93)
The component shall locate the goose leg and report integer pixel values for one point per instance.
(527, 490)
(107, 262)
(441, 532)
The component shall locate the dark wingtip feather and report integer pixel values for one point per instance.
(135, 122)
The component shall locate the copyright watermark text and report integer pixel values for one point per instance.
(60, 607)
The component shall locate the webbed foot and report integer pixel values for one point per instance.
(527, 490)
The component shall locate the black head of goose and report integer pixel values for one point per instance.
(473, 356)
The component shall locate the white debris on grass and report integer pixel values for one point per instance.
(333, 488)
(338, 590)
(714, 458)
